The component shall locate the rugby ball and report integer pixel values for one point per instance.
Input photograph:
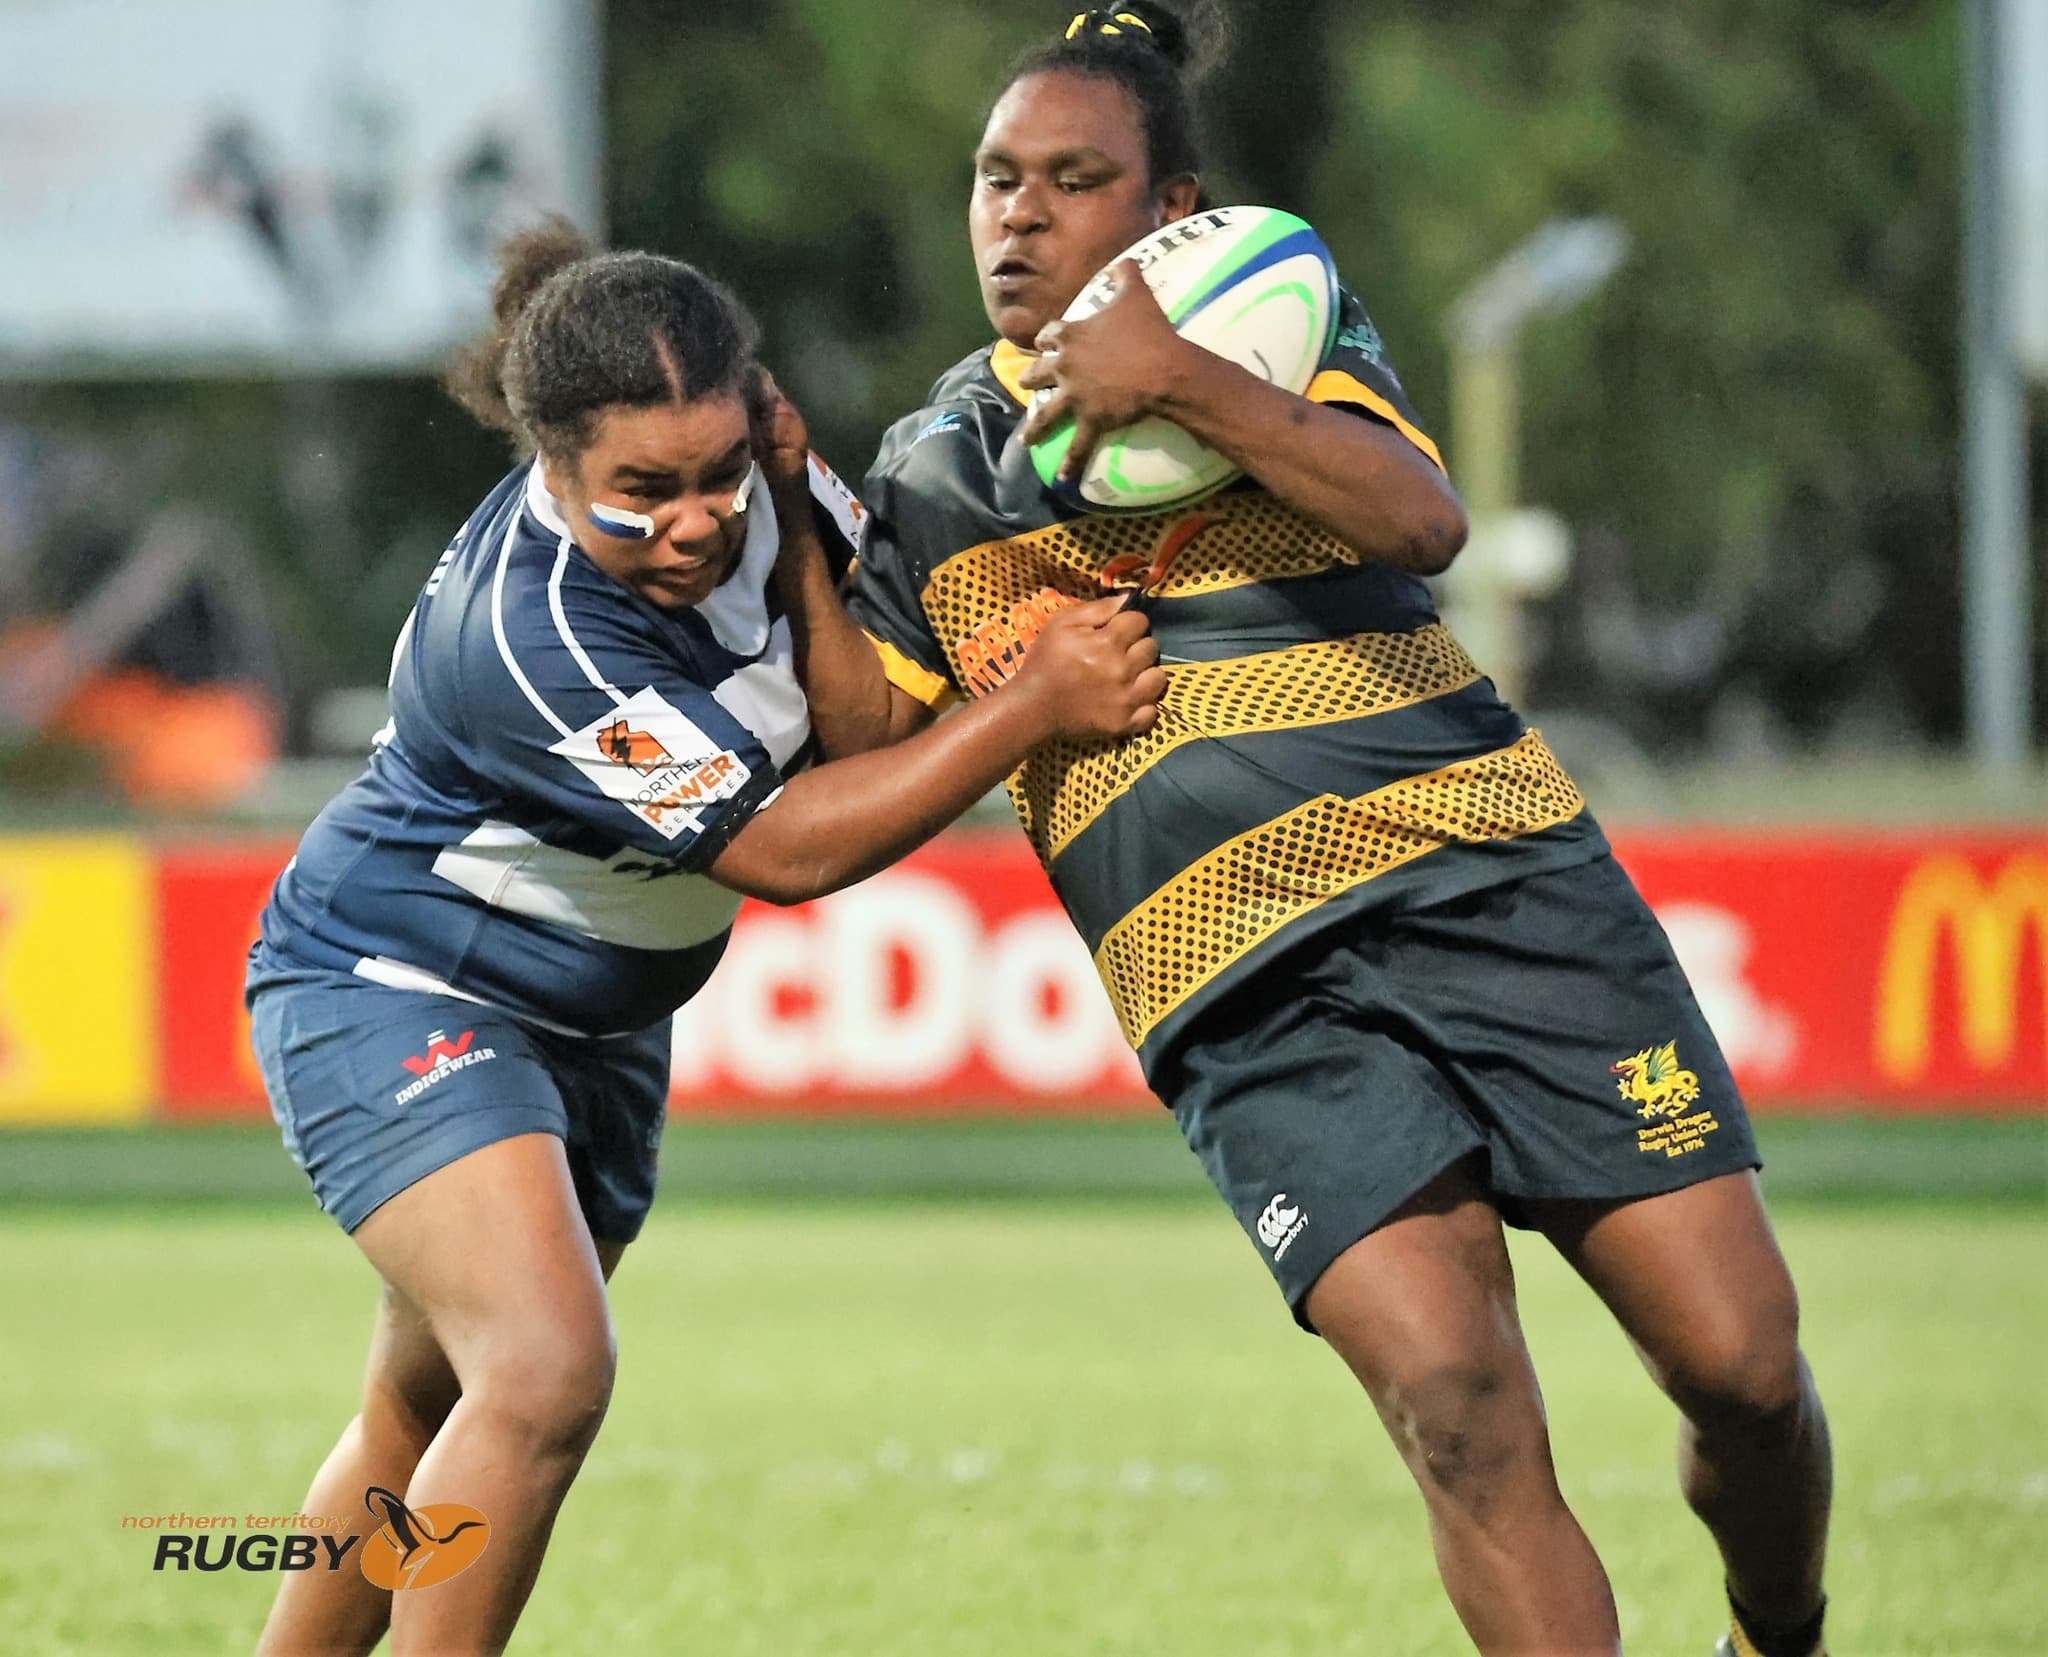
(1252, 284)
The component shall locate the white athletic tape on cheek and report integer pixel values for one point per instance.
(616, 520)
(746, 489)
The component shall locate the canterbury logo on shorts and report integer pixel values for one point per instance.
(1281, 1223)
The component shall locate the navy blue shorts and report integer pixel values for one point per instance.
(1543, 1028)
(376, 1088)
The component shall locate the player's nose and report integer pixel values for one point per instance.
(694, 522)
(1026, 209)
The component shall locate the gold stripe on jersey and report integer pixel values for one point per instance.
(1244, 538)
(1228, 902)
(1333, 385)
(1064, 786)
(912, 678)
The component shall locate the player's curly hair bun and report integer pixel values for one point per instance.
(526, 260)
(576, 331)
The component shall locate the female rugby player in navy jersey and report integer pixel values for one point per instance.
(603, 706)
(1370, 946)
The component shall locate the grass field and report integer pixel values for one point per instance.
(1010, 1426)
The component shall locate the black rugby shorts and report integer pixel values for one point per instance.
(1542, 1027)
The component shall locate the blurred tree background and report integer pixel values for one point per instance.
(1752, 430)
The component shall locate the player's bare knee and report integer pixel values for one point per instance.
(552, 1393)
(1743, 1371)
(1462, 1431)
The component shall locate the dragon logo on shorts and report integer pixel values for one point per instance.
(623, 745)
(1654, 1083)
(1281, 1223)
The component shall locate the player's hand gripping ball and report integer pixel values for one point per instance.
(1252, 284)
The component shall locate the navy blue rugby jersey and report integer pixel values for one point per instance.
(1325, 747)
(562, 763)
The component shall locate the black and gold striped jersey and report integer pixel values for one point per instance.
(1325, 747)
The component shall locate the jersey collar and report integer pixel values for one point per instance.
(737, 609)
(1008, 363)
(542, 504)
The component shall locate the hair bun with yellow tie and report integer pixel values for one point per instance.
(1158, 51)
(1139, 23)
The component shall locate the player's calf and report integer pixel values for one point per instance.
(1513, 1560)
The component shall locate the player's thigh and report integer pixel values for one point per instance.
(377, 1088)
(1697, 1280)
(495, 1251)
(1313, 1125)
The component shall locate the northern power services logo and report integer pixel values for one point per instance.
(440, 1061)
(623, 745)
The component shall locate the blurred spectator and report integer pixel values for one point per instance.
(133, 648)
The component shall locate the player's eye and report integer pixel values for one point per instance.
(1073, 186)
(998, 181)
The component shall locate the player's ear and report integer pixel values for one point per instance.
(1178, 196)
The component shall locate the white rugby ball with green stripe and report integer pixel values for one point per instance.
(1252, 284)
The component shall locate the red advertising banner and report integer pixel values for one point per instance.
(208, 899)
(1904, 972)
(951, 982)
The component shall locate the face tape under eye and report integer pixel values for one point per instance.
(616, 520)
(637, 526)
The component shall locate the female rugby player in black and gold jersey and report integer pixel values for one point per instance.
(1367, 941)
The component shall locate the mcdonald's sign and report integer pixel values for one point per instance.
(1842, 969)
(1976, 1013)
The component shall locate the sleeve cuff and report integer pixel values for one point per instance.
(930, 688)
(1333, 385)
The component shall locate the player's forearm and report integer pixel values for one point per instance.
(1362, 482)
(837, 666)
(846, 820)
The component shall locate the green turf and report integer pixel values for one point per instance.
(1122, 1158)
(1002, 1430)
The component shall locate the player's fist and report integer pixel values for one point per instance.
(1105, 370)
(1095, 671)
(781, 439)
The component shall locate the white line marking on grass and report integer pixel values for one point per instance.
(1994, 1489)
(970, 1466)
(43, 1453)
